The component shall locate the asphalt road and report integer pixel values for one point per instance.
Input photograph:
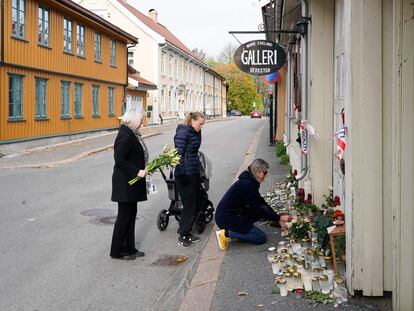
(55, 257)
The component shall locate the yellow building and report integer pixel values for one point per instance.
(63, 70)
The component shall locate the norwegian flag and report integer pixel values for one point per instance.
(341, 143)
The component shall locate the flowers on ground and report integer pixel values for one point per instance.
(169, 157)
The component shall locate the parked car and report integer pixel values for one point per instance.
(235, 113)
(256, 114)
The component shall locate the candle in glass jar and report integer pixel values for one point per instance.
(324, 281)
(282, 284)
(307, 280)
(275, 265)
(271, 252)
(316, 285)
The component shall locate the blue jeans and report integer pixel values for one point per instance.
(255, 236)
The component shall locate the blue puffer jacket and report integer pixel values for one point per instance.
(187, 141)
(242, 205)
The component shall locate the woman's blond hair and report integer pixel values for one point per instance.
(193, 116)
(133, 114)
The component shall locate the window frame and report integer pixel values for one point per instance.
(42, 30)
(15, 117)
(98, 47)
(67, 35)
(40, 98)
(20, 29)
(65, 101)
(95, 100)
(77, 100)
(80, 40)
(111, 101)
(113, 53)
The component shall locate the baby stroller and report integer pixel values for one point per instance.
(204, 215)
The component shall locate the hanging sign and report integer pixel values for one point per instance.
(341, 143)
(260, 57)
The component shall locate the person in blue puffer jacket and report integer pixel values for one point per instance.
(187, 141)
(242, 206)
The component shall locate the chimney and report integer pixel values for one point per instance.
(153, 15)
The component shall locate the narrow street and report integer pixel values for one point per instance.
(55, 254)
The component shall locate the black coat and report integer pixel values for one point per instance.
(187, 141)
(242, 205)
(129, 159)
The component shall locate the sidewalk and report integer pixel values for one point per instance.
(241, 278)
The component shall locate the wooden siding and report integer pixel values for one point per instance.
(31, 60)
(54, 124)
(29, 53)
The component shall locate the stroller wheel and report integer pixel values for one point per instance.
(162, 220)
(200, 222)
(208, 214)
(177, 218)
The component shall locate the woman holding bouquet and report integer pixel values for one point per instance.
(187, 141)
(131, 156)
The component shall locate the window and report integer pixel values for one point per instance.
(65, 100)
(18, 18)
(15, 97)
(170, 66)
(80, 39)
(163, 63)
(113, 53)
(43, 26)
(162, 99)
(97, 47)
(131, 58)
(40, 99)
(181, 70)
(190, 78)
(111, 95)
(78, 100)
(95, 100)
(176, 69)
(67, 35)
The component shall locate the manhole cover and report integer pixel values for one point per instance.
(110, 220)
(99, 212)
(170, 260)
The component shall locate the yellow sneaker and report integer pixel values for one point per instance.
(222, 240)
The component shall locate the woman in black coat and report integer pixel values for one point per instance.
(187, 140)
(131, 155)
(242, 205)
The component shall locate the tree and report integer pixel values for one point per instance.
(226, 55)
(242, 89)
(200, 54)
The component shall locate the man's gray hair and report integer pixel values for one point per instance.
(133, 114)
(259, 165)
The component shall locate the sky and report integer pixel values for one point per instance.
(205, 24)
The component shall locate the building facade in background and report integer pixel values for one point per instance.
(184, 82)
(62, 71)
(350, 75)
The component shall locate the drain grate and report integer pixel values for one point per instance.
(170, 260)
(99, 212)
(110, 220)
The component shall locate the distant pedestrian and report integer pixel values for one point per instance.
(131, 156)
(187, 140)
(242, 206)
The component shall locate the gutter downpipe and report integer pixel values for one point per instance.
(2, 34)
(289, 94)
(304, 95)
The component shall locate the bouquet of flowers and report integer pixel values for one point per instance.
(169, 157)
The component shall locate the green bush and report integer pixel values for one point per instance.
(284, 159)
(280, 149)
